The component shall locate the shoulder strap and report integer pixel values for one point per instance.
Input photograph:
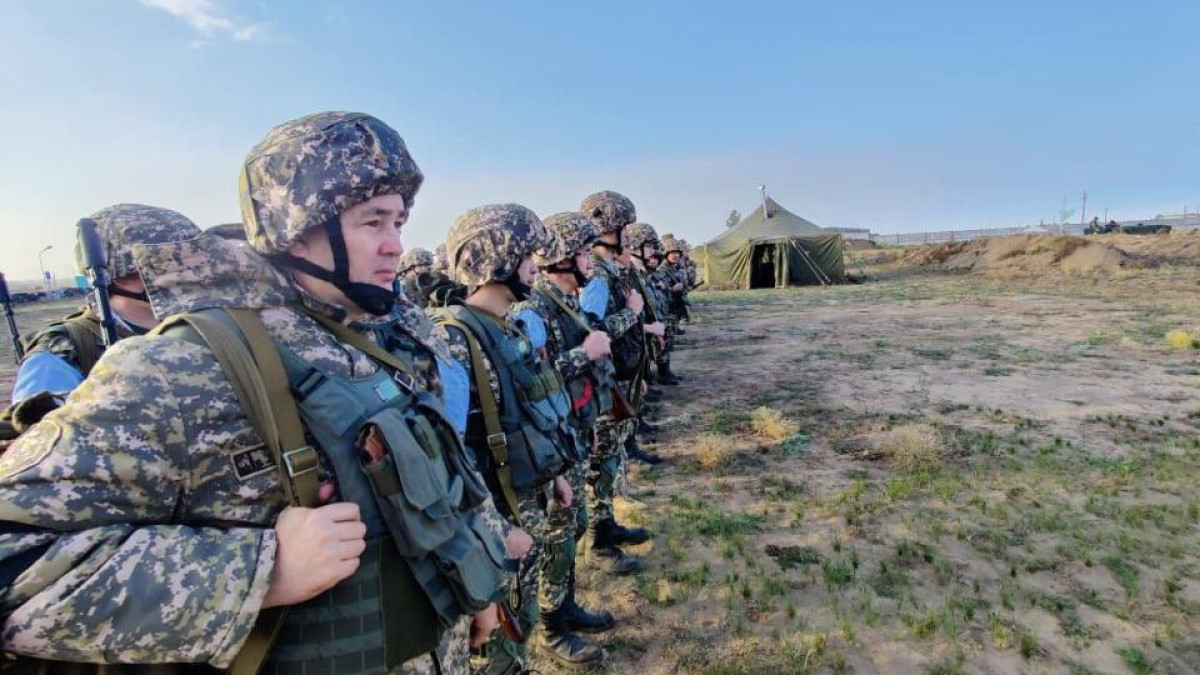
(562, 304)
(360, 342)
(497, 441)
(251, 363)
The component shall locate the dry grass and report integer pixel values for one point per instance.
(712, 451)
(772, 424)
(1181, 340)
(914, 448)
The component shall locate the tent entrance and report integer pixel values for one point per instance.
(763, 260)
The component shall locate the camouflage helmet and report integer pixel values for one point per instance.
(609, 211)
(567, 233)
(638, 235)
(488, 244)
(440, 264)
(308, 171)
(414, 258)
(671, 244)
(123, 225)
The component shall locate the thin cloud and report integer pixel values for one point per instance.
(208, 20)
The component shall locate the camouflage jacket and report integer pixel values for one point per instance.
(129, 534)
(641, 282)
(617, 318)
(570, 360)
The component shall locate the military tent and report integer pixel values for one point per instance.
(773, 250)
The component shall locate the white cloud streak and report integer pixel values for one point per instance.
(208, 20)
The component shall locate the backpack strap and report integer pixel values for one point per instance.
(497, 441)
(84, 330)
(251, 362)
(566, 309)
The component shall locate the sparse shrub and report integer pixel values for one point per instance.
(712, 452)
(1181, 340)
(914, 448)
(771, 424)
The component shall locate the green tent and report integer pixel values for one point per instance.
(772, 251)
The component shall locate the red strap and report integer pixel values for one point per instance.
(585, 397)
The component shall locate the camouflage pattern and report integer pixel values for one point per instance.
(567, 233)
(441, 264)
(670, 243)
(569, 360)
(564, 528)
(308, 171)
(130, 487)
(501, 655)
(564, 525)
(487, 244)
(415, 258)
(638, 235)
(122, 226)
(606, 465)
(617, 317)
(608, 210)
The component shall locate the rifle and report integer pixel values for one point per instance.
(96, 266)
(6, 299)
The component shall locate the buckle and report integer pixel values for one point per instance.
(306, 464)
(493, 443)
(403, 379)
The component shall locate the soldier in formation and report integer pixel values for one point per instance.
(62, 353)
(380, 492)
(414, 263)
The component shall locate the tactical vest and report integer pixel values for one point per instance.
(430, 558)
(629, 348)
(591, 391)
(527, 431)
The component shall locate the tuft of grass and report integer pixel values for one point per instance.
(771, 424)
(1181, 340)
(1136, 660)
(712, 452)
(1124, 572)
(914, 448)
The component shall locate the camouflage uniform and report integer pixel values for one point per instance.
(413, 264)
(140, 537)
(487, 245)
(119, 227)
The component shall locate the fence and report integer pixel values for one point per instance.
(916, 238)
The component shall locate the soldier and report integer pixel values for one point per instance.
(673, 277)
(518, 429)
(145, 521)
(642, 272)
(414, 263)
(580, 352)
(61, 354)
(611, 298)
(436, 288)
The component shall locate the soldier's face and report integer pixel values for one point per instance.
(528, 271)
(673, 257)
(583, 261)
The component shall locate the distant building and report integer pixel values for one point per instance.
(851, 232)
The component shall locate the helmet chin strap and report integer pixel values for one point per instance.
(371, 298)
(519, 290)
(117, 290)
(572, 267)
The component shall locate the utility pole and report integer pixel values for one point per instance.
(1106, 214)
(41, 264)
(1083, 215)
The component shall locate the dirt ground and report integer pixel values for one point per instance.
(932, 472)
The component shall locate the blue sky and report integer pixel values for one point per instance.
(898, 116)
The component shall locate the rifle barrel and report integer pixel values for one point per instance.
(97, 271)
(6, 300)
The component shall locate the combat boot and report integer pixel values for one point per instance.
(612, 559)
(635, 451)
(556, 640)
(611, 532)
(666, 377)
(579, 619)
